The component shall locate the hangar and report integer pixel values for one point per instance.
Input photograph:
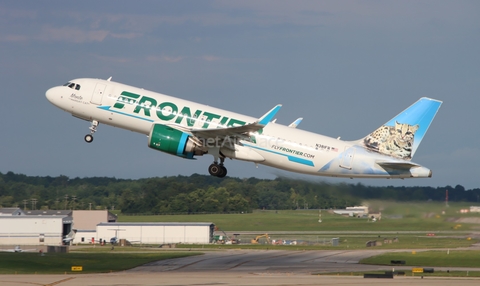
(47, 227)
(157, 233)
(34, 230)
(51, 227)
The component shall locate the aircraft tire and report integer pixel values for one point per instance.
(88, 138)
(217, 170)
(223, 172)
(214, 170)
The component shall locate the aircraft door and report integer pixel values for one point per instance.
(347, 158)
(98, 94)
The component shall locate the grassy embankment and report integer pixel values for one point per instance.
(428, 259)
(60, 263)
(419, 216)
(409, 222)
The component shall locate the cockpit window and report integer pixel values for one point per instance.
(72, 85)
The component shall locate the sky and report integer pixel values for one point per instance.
(346, 67)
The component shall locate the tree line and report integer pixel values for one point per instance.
(200, 194)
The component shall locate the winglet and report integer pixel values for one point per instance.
(264, 120)
(295, 123)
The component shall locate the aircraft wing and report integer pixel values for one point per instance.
(222, 135)
(29, 250)
(18, 250)
(237, 130)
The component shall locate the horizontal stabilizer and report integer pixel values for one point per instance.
(398, 165)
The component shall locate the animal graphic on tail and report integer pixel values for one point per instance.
(395, 141)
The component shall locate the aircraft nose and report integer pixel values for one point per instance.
(49, 94)
(53, 94)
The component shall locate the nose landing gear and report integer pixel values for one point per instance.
(93, 128)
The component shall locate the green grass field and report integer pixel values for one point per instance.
(59, 263)
(409, 273)
(425, 216)
(409, 222)
(443, 258)
(347, 243)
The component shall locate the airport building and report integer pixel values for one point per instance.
(158, 233)
(46, 227)
(34, 230)
(86, 221)
(51, 227)
(11, 212)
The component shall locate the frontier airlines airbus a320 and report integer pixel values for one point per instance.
(187, 129)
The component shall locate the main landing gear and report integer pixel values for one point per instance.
(218, 170)
(93, 129)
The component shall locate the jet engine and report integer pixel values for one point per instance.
(172, 141)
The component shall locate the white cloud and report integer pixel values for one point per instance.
(128, 36)
(71, 34)
(13, 38)
(164, 59)
(113, 59)
(209, 58)
(374, 14)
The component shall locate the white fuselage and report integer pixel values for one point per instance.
(276, 145)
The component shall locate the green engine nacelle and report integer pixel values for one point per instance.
(171, 140)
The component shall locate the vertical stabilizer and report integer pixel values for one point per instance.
(401, 136)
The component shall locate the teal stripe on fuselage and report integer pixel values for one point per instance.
(289, 157)
(107, 108)
(300, 161)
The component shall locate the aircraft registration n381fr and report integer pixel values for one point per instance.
(187, 129)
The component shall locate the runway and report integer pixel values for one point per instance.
(244, 267)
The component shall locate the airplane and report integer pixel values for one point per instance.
(67, 239)
(18, 249)
(187, 129)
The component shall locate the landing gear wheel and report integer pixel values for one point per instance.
(223, 173)
(88, 138)
(217, 170)
(214, 169)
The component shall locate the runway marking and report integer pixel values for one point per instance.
(198, 261)
(34, 283)
(59, 281)
(325, 256)
(260, 258)
(29, 283)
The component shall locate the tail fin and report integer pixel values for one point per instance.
(401, 136)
